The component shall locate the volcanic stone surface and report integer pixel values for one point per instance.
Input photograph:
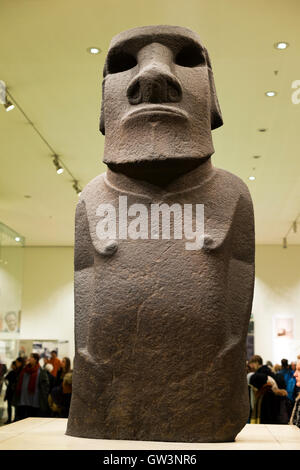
(160, 328)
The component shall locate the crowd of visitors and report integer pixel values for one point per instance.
(274, 391)
(38, 389)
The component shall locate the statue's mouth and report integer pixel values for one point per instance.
(156, 110)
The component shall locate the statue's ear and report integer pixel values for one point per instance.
(215, 110)
(102, 125)
(102, 118)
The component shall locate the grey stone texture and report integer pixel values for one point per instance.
(160, 331)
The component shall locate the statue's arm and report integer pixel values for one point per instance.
(241, 272)
(243, 247)
(83, 256)
(83, 275)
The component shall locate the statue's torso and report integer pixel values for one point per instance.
(164, 328)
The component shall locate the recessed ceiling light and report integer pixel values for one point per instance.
(256, 156)
(281, 45)
(94, 50)
(251, 178)
(9, 106)
(262, 129)
(271, 93)
(17, 239)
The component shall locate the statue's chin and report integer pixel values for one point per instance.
(157, 171)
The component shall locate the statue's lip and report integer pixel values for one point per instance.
(156, 109)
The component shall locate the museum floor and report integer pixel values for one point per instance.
(49, 434)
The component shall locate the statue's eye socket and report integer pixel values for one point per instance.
(121, 61)
(190, 56)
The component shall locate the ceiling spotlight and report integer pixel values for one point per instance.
(251, 178)
(281, 45)
(76, 187)
(59, 168)
(271, 93)
(18, 239)
(8, 106)
(295, 226)
(94, 50)
(2, 92)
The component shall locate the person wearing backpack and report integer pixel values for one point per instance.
(295, 417)
(290, 381)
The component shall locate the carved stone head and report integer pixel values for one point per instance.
(159, 100)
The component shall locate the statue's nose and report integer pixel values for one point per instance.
(154, 83)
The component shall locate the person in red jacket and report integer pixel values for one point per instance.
(32, 390)
(55, 362)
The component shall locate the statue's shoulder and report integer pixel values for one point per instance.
(232, 185)
(91, 196)
(229, 213)
(94, 189)
(85, 211)
(95, 193)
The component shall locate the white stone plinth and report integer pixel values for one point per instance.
(49, 434)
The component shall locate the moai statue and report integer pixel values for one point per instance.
(164, 256)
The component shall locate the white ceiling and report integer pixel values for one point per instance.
(44, 62)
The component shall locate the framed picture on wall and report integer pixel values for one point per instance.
(284, 327)
(10, 322)
(283, 337)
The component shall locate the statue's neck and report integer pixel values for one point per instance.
(159, 173)
(165, 177)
